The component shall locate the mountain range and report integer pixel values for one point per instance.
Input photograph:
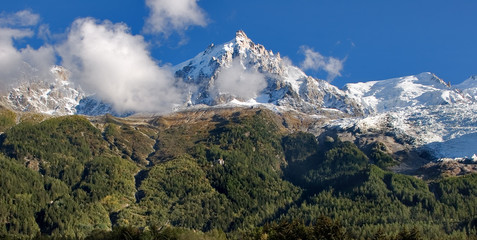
(430, 114)
(257, 149)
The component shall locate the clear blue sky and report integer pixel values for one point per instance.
(379, 39)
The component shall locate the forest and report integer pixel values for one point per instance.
(232, 174)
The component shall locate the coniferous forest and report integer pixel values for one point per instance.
(213, 174)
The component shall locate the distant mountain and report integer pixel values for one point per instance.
(429, 113)
(264, 79)
(54, 96)
(469, 87)
(424, 89)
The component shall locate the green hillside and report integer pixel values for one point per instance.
(213, 175)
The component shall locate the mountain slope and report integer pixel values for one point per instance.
(431, 114)
(238, 72)
(424, 89)
(230, 170)
(55, 96)
(284, 85)
(422, 107)
(469, 87)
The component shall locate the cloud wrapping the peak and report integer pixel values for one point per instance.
(106, 59)
(315, 61)
(20, 65)
(167, 16)
(240, 82)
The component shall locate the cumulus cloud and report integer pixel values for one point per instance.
(315, 61)
(240, 82)
(167, 16)
(22, 64)
(22, 18)
(106, 59)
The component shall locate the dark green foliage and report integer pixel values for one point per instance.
(105, 176)
(22, 193)
(380, 157)
(324, 228)
(250, 176)
(72, 156)
(153, 233)
(7, 119)
(332, 164)
(60, 146)
(343, 158)
(233, 181)
(299, 146)
(240, 174)
(131, 143)
(179, 191)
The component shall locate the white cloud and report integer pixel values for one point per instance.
(22, 18)
(240, 82)
(22, 64)
(167, 16)
(315, 61)
(106, 59)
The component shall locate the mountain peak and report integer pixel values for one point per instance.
(432, 79)
(60, 73)
(469, 86)
(424, 89)
(240, 35)
(279, 83)
(241, 41)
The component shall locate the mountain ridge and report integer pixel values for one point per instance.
(241, 73)
(286, 85)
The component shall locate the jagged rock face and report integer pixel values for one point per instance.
(56, 97)
(286, 85)
(91, 106)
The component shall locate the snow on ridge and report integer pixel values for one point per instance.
(424, 89)
(423, 107)
(469, 87)
(287, 85)
(471, 82)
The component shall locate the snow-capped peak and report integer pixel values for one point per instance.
(423, 89)
(286, 85)
(471, 82)
(469, 87)
(51, 96)
(241, 38)
(60, 73)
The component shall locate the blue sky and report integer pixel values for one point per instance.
(374, 39)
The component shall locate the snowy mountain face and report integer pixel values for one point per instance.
(469, 87)
(423, 109)
(284, 85)
(238, 72)
(56, 96)
(424, 89)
